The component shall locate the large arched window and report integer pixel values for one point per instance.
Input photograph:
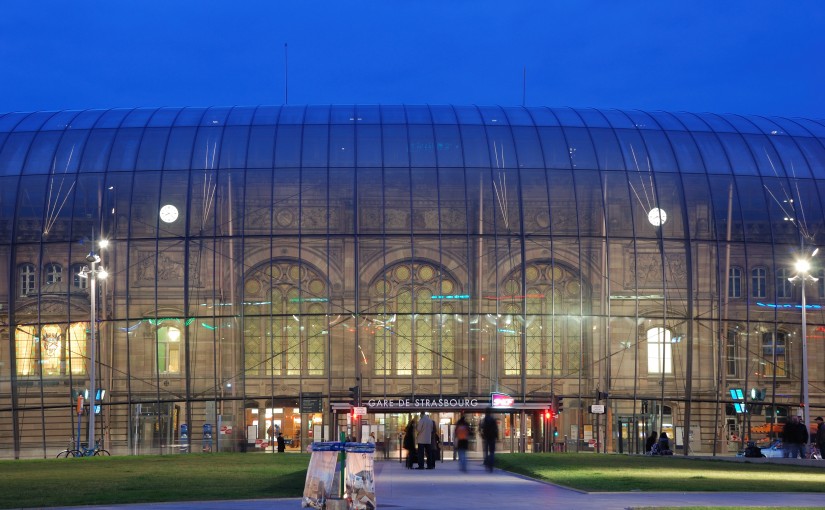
(56, 351)
(169, 350)
(416, 320)
(552, 324)
(285, 320)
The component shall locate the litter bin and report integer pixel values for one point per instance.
(359, 487)
(320, 483)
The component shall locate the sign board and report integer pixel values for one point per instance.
(312, 405)
(359, 411)
(501, 400)
(597, 409)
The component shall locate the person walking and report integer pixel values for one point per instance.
(489, 434)
(819, 438)
(462, 436)
(423, 438)
(794, 438)
(409, 442)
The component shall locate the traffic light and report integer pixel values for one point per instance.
(548, 414)
(559, 405)
(355, 396)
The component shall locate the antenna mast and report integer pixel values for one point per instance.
(286, 74)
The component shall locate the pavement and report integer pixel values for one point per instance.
(446, 487)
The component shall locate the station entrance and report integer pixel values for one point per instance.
(521, 428)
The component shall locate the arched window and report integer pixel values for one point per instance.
(735, 283)
(415, 325)
(759, 282)
(54, 273)
(285, 321)
(552, 324)
(659, 351)
(26, 282)
(55, 351)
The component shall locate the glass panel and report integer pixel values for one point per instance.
(98, 147)
(319, 114)
(316, 145)
(739, 153)
(448, 145)
(422, 146)
(528, 147)
(442, 114)
(179, 153)
(607, 149)
(342, 146)
(369, 145)
(41, 153)
(152, 149)
(261, 146)
(474, 140)
(580, 149)
(233, 148)
(593, 118)
(396, 146)
(716, 161)
(288, 146)
(687, 154)
(660, 151)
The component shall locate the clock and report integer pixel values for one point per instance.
(657, 217)
(168, 213)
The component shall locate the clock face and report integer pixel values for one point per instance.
(657, 217)
(168, 213)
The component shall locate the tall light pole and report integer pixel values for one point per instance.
(92, 272)
(803, 267)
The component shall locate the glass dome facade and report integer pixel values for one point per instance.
(267, 265)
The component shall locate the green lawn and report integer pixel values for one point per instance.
(621, 473)
(104, 480)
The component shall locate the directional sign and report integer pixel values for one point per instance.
(359, 411)
(597, 409)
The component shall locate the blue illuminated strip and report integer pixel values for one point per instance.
(452, 296)
(788, 305)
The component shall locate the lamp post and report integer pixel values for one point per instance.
(803, 267)
(92, 273)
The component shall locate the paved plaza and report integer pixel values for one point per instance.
(446, 487)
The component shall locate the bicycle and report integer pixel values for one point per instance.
(69, 451)
(85, 451)
(814, 453)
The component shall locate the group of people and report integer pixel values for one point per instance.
(423, 443)
(658, 445)
(795, 437)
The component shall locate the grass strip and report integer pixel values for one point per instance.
(622, 473)
(145, 479)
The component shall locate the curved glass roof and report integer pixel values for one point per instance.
(410, 136)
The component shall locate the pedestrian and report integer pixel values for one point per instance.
(819, 438)
(651, 440)
(270, 434)
(489, 435)
(435, 450)
(462, 436)
(281, 443)
(794, 438)
(663, 445)
(409, 442)
(371, 439)
(423, 438)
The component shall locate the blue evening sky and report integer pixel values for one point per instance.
(724, 56)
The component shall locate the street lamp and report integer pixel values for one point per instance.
(803, 267)
(92, 272)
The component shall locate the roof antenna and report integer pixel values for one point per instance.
(524, 86)
(286, 74)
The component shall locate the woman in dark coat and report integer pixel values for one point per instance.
(409, 442)
(651, 440)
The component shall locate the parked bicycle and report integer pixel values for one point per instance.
(84, 451)
(69, 451)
